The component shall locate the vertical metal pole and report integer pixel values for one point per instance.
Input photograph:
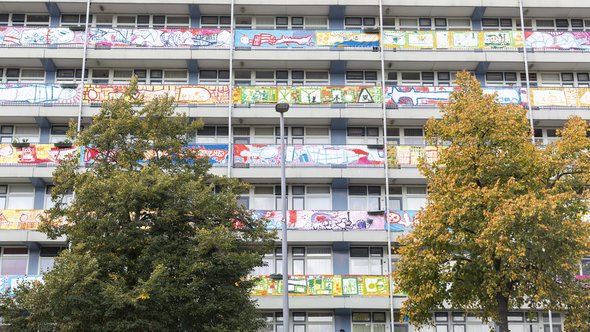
(284, 249)
(84, 51)
(550, 321)
(526, 71)
(230, 130)
(386, 168)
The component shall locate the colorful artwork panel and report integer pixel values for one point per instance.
(566, 97)
(431, 96)
(409, 156)
(402, 220)
(560, 40)
(274, 38)
(322, 220)
(308, 155)
(346, 38)
(323, 285)
(183, 94)
(20, 219)
(39, 94)
(119, 37)
(34, 154)
(39, 36)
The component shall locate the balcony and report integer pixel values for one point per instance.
(316, 220)
(324, 285)
(20, 219)
(218, 95)
(98, 38)
(300, 220)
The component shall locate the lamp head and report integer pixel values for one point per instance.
(282, 107)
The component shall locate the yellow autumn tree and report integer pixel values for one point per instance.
(503, 228)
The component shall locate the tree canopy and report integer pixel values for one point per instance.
(152, 234)
(504, 226)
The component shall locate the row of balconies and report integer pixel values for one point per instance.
(303, 39)
(394, 96)
(244, 155)
(299, 220)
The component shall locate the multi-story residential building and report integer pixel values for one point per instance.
(361, 78)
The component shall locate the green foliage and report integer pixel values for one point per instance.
(503, 227)
(153, 248)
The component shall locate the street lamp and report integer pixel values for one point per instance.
(282, 108)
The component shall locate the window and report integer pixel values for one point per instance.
(299, 197)
(316, 78)
(24, 20)
(369, 322)
(69, 75)
(65, 199)
(364, 198)
(585, 269)
(74, 20)
(271, 264)
(311, 260)
(361, 77)
(140, 21)
(212, 134)
(17, 196)
(274, 322)
(47, 258)
(359, 22)
(545, 136)
(366, 260)
(8, 133)
(416, 198)
(363, 135)
(18, 75)
(213, 76)
(413, 136)
(501, 78)
(215, 22)
(14, 261)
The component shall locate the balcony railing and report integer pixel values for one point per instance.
(396, 96)
(324, 285)
(34, 154)
(115, 37)
(20, 219)
(398, 220)
(293, 39)
(304, 220)
(244, 155)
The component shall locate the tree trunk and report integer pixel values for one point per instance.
(502, 322)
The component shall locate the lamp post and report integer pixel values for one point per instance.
(282, 108)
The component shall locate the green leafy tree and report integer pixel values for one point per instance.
(154, 245)
(504, 226)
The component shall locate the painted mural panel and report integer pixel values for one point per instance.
(452, 39)
(275, 38)
(431, 96)
(39, 36)
(116, 37)
(567, 97)
(183, 94)
(308, 155)
(346, 38)
(402, 220)
(34, 154)
(20, 219)
(323, 220)
(218, 154)
(560, 40)
(39, 94)
(120, 37)
(409, 156)
(308, 95)
(323, 285)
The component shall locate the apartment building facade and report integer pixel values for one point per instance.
(361, 79)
